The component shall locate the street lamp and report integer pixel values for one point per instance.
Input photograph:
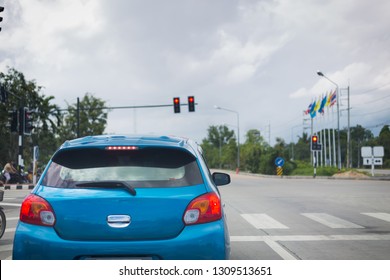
(319, 73)
(238, 134)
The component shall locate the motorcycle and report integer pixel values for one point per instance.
(2, 216)
(16, 178)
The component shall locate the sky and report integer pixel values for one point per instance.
(256, 59)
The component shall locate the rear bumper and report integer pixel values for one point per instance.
(206, 241)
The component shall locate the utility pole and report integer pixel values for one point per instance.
(349, 135)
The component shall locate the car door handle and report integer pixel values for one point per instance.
(118, 221)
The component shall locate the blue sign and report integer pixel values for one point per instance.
(279, 161)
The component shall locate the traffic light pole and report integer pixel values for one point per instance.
(20, 138)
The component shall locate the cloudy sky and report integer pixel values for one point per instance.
(258, 58)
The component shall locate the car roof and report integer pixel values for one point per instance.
(130, 140)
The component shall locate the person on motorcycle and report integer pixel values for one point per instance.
(9, 169)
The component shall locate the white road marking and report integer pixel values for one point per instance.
(263, 221)
(298, 238)
(12, 218)
(7, 229)
(279, 249)
(330, 221)
(381, 216)
(272, 241)
(11, 204)
(5, 248)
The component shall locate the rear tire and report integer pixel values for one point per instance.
(2, 223)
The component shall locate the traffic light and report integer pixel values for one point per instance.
(27, 121)
(13, 121)
(315, 146)
(176, 105)
(191, 104)
(1, 18)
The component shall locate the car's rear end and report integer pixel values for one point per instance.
(123, 198)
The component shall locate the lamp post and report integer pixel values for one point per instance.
(319, 73)
(238, 134)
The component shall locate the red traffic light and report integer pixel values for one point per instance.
(315, 146)
(191, 104)
(176, 105)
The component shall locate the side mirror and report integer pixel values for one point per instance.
(221, 179)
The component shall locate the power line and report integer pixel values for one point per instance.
(372, 113)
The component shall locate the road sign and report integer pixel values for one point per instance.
(373, 156)
(379, 151)
(279, 161)
(370, 161)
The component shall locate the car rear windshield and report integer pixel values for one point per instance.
(142, 168)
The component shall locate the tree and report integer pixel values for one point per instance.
(359, 138)
(25, 93)
(220, 147)
(92, 118)
(252, 150)
(384, 140)
(302, 148)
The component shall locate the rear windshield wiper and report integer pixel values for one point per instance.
(109, 184)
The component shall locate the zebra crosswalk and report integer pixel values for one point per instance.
(330, 220)
(301, 227)
(265, 221)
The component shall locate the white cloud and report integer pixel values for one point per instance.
(257, 57)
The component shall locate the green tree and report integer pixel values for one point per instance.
(220, 147)
(25, 93)
(359, 137)
(302, 148)
(384, 140)
(92, 118)
(252, 150)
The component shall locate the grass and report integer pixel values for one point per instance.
(305, 169)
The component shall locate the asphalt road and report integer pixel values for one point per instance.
(275, 218)
(309, 219)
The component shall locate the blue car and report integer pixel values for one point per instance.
(124, 197)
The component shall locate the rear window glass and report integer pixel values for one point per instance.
(147, 167)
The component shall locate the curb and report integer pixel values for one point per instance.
(18, 187)
(289, 177)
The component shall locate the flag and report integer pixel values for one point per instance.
(307, 111)
(313, 112)
(318, 104)
(327, 104)
(333, 98)
(322, 106)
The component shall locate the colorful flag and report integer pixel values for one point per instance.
(318, 104)
(327, 104)
(307, 111)
(322, 106)
(333, 98)
(313, 112)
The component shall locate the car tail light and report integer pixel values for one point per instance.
(35, 210)
(203, 209)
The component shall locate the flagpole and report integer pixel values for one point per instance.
(338, 117)
(324, 141)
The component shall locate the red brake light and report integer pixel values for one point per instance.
(35, 210)
(203, 209)
(121, 148)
